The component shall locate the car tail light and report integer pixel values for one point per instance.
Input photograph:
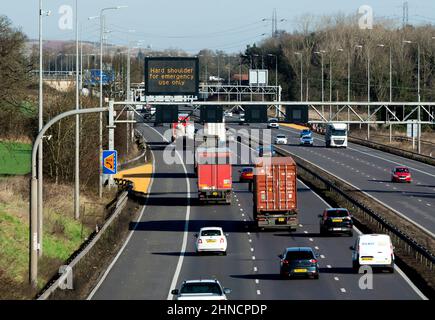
(222, 240)
(313, 261)
(284, 261)
(199, 241)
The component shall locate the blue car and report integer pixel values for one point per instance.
(306, 132)
(267, 151)
(306, 141)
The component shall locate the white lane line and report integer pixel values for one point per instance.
(317, 248)
(253, 257)
(243, 214)
(258, 292)
(186, 226)
(404, 276)
(428, 204)
(244, 220)
(238, 204)
(343, 290)
(252, 249)
(241, 209)
(257, 281)
(300, 225)
(255, 269)
(322, 256)
(378, 200)
(306, 232)
(248, 233)
(311, 239)
(250, 240)
(126, 241)
(336, 279)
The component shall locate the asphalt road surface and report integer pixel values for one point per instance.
(160, 253)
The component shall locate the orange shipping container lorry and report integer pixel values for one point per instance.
(275, 193)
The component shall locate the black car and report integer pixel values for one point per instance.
(299, 261)
(336, 220)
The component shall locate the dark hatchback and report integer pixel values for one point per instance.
(299, 261)
(336, 220)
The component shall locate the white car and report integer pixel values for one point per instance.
(273, 123)
(228, 114)
(374, 250)
(201, 290)
(281, 139)
(211, 239)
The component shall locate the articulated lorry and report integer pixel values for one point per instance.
(275, 193)
(214, 171)
(336, 135)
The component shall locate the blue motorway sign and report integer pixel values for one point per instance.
(109, 161)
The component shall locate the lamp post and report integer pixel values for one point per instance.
(77, 131)
(302, 80)
(102, 26)
(391, 81)
(321, 52)
(368, 89)
(418, 94)
(38, 227)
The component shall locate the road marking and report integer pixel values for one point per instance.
(186, 227)
(248, 233)
(305, 232)
(241, 209)
(300, 225)
(238, 204)
(255, 269)
(317, 248)
(250, 240)
(329, 266)
(311, 239)
(336, 279)
(322, 256)
(343, 290)
(257, 281)
(243, 214)
(244, 220)
(109, 268)
(258, 292)
(253, 257)
(252, 249)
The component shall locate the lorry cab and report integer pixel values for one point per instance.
(336, 135)
(374, 250)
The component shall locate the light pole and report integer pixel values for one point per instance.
(302, 80)
(102, 26)
(38, 227)
(368, 89)
(418, 95)
(77, 133)
(391, 81)
(321, 52)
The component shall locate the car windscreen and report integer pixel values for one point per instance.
(273, 120)
(248, 170)
(402, 170)
(306, 138)
(299, 255)
(280, 136)
(211, 233)
(337, 213)
(192, 288)
(340, 133)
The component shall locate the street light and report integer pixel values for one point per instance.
(302, 94)
(391, 81)
(102, 26)
(368, 89)
(321, 52)
(418, 92)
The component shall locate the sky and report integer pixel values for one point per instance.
(192, 25)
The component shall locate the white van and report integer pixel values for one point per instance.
(374, 250)
(336, 135)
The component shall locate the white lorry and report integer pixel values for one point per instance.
(336, 135)
(216, 129)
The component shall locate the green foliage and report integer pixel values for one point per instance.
(15, 158)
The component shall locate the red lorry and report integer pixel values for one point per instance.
(214, 172)
(275, 193)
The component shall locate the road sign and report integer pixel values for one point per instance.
(166, 76)
(110, 160)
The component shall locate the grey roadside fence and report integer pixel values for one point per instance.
(64, 279)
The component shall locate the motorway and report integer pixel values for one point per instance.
(159, 253)
(369, 170)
